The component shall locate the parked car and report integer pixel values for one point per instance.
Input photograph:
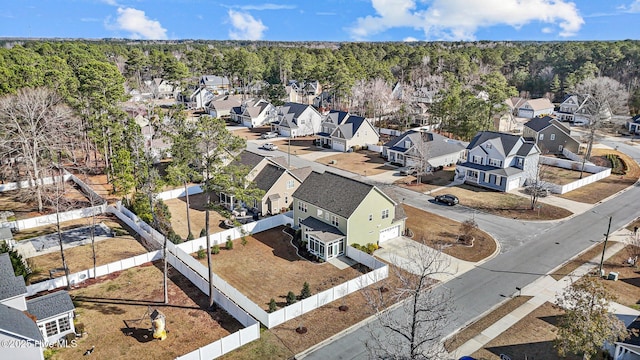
(270, 146)
(447, 199)
(269, 135)
(408, 170)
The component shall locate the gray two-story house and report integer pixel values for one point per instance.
(334, 211)
(551, 135)
(499, 161)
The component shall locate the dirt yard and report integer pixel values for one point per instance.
(428, 182)
(627, 288)
(604, 188)
(178, 210)
(438, 231)
(503, 204)
(268, 267)
(24, 204)
(113, 313)
(560, 176)
(298, 146)
(576, 262)
(362, 162)
(250, 133)
(79, 258)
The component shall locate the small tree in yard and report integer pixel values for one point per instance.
(536, 185)
(306, 291)
(273, 306)
(229, 243)
(291, 298)
(467, 228)
(415, 330)
(587, 323)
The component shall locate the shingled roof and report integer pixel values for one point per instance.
(248, 159)
(16, 322)
(508, 140)
(332, 192)
(268, 176)
(10, 285)
(50, 305)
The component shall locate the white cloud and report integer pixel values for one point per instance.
(409, 39)
(138, 25)
(460, 19)
(267, 7)
(110, 2)
(547, 30)
(634, 7)
(245, 26)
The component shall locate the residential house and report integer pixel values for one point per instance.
(551, 135)
(514, 103)
(52, 313)
(342, 131)
(575, 109)
(633, 125)
(215, 84)
(303, 92)
(414, 146)
(535, 107)
(499, 161)
(254, 113)
(295, 119)
(17, 328)
(334, 212)
(160, 88)
(221, 107)
(270, 175)
(200, 97)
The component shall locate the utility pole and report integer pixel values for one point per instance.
(606, 237)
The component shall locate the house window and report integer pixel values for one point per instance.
(552, 137)
(302, 206)
(51, 327)
(319, 213)
(290, 184)
(541, 137)
(370, 217)
(498, 178)
(495, 162)
(385, 213)
(64, 324)
(488, 146)
(519, 161)
(334, 220)
(477, 159)
(472, 174)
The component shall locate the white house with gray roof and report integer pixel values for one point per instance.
(17, 328)
(409, 148)
(499, 161)
(342, 131)
(53, 312)
(295, 119)
(255, 113)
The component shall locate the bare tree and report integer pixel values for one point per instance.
(604, 97)
(34, 125)
(413, 330)
(421, 154)
(536, 186)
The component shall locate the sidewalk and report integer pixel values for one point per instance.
(545, 289)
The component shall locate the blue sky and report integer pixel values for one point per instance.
(327, 20)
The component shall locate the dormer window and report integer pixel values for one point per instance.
(488, 146)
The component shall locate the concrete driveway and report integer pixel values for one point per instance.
(407, 254)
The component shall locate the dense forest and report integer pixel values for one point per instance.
(92, 79)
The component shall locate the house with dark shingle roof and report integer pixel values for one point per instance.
(271, 176)
(634, 125)
(342, 131)
(551, 135)
(334, 212)
(499, 161)
(17, 328)
(295, 119)
(409, 148)
(53, 313)
(254, 113)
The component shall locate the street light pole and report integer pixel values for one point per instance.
(606, 237)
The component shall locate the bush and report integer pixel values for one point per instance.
(273, 306)
(203, 232)
(371, 248)
(49, 352)
(201, 253)
(173, 237)
(306, 291)
(215, 249)
(190, 237)
(229, 244)
(291, 298)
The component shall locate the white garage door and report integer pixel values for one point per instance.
(513, 184)
(337, 145)
(390, 233)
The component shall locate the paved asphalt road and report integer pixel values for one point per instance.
(528, 251)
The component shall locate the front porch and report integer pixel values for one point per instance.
(323, 240)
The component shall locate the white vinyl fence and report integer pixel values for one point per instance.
(78, 277)
(375, 147)
(176, 193)
(26, 184)
(597, 173)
